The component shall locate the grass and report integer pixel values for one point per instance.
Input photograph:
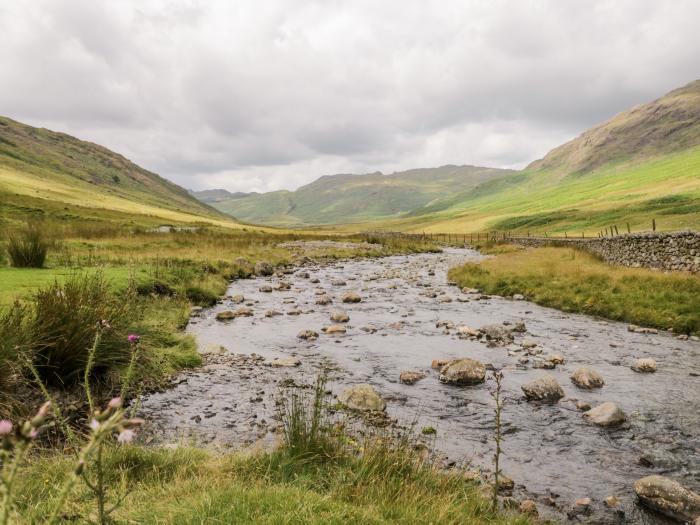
(573, 281)
(319, 476)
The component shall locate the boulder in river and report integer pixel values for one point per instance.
(444, 323)
(265, 288)
(463, 372)
(351, 297)
(668, 497)
(467, 331)
(285, 362)
(264, 268)
(410, 377)
(362, 397)
(308, 335)
(226, 315)
(497, 333)
(339, 316)
(605, 415)
(528, 507)
(644, 365)
(587, 378)
(324, 299)
(544, 388)
(335, 329)
(439, 363)
(237, 299)
(272, 313)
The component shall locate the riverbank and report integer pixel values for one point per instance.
(574, 281)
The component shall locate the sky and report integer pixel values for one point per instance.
(271, 94)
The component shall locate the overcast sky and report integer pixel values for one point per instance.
(263, 95)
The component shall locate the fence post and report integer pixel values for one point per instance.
(653, 224)
(628, 228)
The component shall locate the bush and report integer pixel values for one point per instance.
(27, 248)
(60, 328)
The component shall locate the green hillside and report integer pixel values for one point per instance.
(355, 198)
(45, 173)
(641, 164)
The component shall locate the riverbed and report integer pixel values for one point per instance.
(552, 453)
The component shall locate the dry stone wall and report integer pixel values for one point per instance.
(675, 251)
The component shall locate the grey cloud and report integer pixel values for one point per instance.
(250, 95)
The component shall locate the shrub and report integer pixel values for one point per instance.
(27, 248)
(63, 323)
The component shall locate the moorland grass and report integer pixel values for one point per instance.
(574, 281)
(315, 477)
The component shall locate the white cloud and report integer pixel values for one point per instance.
(267, 95)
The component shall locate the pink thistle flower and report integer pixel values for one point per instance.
(126, 436)
(5, 427)
(94, 424)
(133, 338)
(115, 402)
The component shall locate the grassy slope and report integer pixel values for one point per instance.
(42, 171)
(356, 198)
(640, 164)
(574, 281)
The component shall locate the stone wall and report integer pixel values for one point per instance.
(666, 251)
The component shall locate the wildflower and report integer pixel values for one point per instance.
(5, 427)
(126, 436)
(115, 402)
(94, 424)
(133, 338)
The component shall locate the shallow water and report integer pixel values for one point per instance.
(550, 451)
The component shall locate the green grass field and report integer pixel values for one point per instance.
(573, 281)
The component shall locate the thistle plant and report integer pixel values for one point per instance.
(15, 442)
(128, 376)
(498, 436)
(90, 468)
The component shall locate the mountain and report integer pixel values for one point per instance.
(45, 172)
(218, 195)
(348, 198)
(666, 125)
(640, 165)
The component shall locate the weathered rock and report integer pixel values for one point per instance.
(668, 497)
(283, 285)
(285, 362)
(444, 323)
(264, 268)
(295, 311)
(587, 378)
(612, 501)
(605, 415)
(265, 288)
(338, 282)
(308, 335)
(362, 397)
(528, 343)
(557, 359)
(243, 311)
(439, 363)
(544, 388)
(225, 315)
(518, 297)
(467, 331)
(519, 326)
(468, 290)
(497, 333)
(505, 483)
(339, 316)
(272, 313)
(463, 372)
(351, 297)
(644, 365)
(335, 329)
(444, 299)
(410, 377)
(583, 406)
(237, 299)
(323, 300)
(528, 507)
